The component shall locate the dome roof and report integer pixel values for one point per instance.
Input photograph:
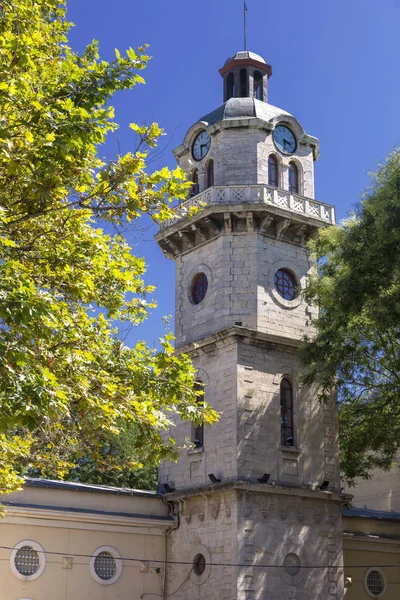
(243, 108)
(245, 54)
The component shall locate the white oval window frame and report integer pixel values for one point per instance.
(42, 560)
(370, 594)
(118, 565)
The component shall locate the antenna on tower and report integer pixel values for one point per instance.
(245, 25)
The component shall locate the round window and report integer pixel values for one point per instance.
(27, 561)
(199, 565)
(285, 284)
(291, 564)
(375, 583)
(105, 566)
(199, 288)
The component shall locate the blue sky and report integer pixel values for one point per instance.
(335, 67)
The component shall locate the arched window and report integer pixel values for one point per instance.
(293, 178)
(287, 438)
(243, 83)
(195, 187)
(210, 173)
(258, 85)
(230, 86)
(272, 171)
(198, 430)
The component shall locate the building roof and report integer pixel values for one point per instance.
(75, 486)
(367, 513)
(243, 108)
(245, 54)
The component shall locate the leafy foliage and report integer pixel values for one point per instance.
(66, 381)
(86, 469)
(357, 346)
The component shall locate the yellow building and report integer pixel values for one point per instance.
(68, 541)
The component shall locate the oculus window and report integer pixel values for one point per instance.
(199, 288)
(285, 284)
(199, 565)
(291, 564)
(106, 565)
(27, 560)
(375, 582)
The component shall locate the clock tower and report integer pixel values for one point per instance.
(257, 494)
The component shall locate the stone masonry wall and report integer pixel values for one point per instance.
(240, 269)
(216, 368)
(240, 154)
(231, 271)
(245, 537)
(275, 314)
(314, 457)
(273, 525)
(208, 525)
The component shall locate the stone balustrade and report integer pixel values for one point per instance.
(254, 194)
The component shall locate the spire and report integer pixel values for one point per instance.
(245, 26)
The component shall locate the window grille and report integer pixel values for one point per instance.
(285, 284)
(105, 565)
(375, 582)
(27, 561)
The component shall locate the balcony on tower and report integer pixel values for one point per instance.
(243, 208)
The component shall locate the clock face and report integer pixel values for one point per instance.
(284, 139)
(201, 145)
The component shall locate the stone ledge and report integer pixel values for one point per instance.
(252, 487)
(239, 332)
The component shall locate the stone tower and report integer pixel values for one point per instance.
(257, 494)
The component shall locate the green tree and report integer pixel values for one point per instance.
(357, 345)
(67, 382)
(88, 470)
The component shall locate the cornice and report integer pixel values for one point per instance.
(54, 516)
(238, 63)
(226, 336)
(250, 487)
